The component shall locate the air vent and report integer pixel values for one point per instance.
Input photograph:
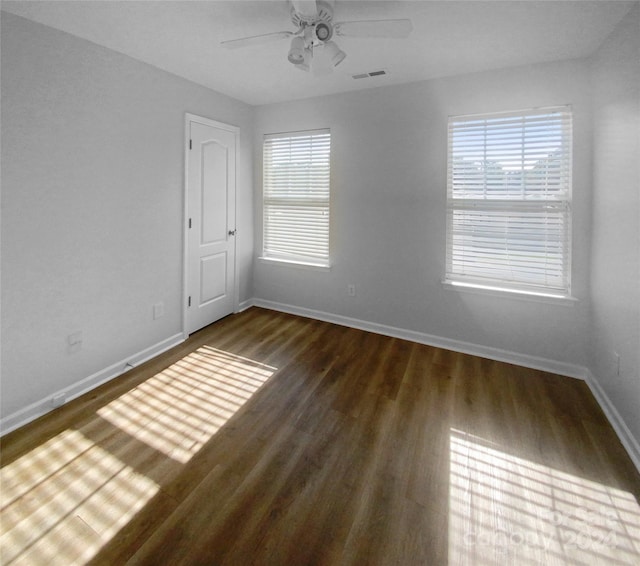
(368, 75)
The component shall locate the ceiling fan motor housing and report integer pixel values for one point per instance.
(324, 14)
(319, 24)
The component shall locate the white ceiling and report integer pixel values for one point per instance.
(449, 38)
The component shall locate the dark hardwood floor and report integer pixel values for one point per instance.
(269, 439)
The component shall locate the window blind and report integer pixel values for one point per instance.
(509, 201)
(296, 195)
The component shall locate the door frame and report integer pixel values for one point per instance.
(235, 130)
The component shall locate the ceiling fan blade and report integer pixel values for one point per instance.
(305, 8)
(256, 39)
(374, 28)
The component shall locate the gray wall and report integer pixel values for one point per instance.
(388, 211)
(92, 205)
(615, 240)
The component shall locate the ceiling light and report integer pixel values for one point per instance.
(334, 53)
(296, 52)
(306, 63)
(323, 31)
(321, 64)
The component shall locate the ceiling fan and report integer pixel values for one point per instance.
(312, 47)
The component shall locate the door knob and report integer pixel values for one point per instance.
(232, 232)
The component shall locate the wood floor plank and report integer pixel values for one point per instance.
(273, 439)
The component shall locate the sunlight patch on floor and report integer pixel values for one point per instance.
(51, 495)
(507, 510)
(178, 410)
(65, 499)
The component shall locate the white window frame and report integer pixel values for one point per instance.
(484, 249)
(296, 198)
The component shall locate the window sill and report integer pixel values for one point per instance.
(299, 264)
(563, 300)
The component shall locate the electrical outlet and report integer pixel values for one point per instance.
(351, 290)
(75, 338)
(158, 310)
(74, 342)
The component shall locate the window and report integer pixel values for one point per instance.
(296, 197)
(509, 201)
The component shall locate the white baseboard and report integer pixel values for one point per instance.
(561, 368)
(244, 305)
(43, 406)
(497, 354)
(617, 422)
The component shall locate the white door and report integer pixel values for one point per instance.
(211, 192)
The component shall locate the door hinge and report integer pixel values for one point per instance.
(189, 223)
(190, 144)
(189, 303)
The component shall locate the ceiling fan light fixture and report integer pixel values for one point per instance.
(296, 51)
(306, 63)
(312, 47)
(334, 53)
(323, 31)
